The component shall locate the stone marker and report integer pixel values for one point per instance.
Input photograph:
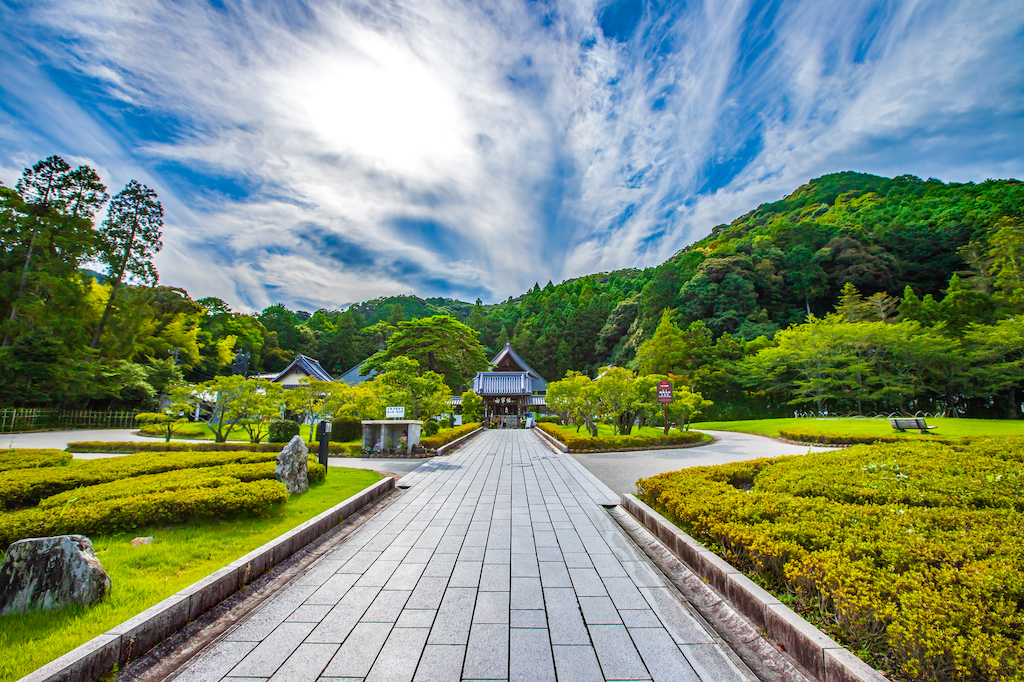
(291, 466)
(148, 540)
(51, 573)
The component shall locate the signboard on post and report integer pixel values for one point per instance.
(394, 413)
(664, 392)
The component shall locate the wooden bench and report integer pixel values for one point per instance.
(901, 424)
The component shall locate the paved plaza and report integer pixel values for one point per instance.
(498, 562)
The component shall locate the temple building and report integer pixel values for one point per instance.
(300, 368)
(510, 391)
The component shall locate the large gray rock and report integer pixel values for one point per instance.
(51, 573)
(291, 466)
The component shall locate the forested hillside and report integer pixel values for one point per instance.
(765, 271)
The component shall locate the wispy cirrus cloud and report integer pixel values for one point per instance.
(318, 153)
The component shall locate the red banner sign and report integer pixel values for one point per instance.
(664, 392)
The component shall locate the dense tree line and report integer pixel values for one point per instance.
(939, 255)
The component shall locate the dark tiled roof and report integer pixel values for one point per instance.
(537, 401)
(353, 378)
(309, 366)
(507, 353)
(503, 383)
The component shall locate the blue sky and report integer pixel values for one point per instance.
(323, 152)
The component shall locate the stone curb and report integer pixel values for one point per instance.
(818, 653)
(134, 637)
(552, 440)
(457, 443)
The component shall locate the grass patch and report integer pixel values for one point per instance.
(142, 576)
(908, 553)
(200, 431)
(950, 428)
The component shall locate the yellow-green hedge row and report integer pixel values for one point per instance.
(585, 443)
(26, 487)
(142, 446)
(179, 479)
(31, 459)
(439, 439)
(911, 552)
(124, 513)
(812, 436)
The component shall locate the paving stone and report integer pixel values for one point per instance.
(306, 664)
(554, 574)
(577, 664)
(386, 607)
(310, 613)
(711, 664)
(428, 593)
(405, 577)
(683, 627)
(333, 589)
(530, 658)
(496, 578)
(525, 565)
(440, 566)
(451, 624)
(337, 624)
(272, 651)
(216, 661)
(565, 621)
(358, 653)
(526, 593)
(398, 659)
(586, 582)
(661, 655)
(416, 618)
(600, 611)
(378, 574)
(491, 607)
(487, 652)
(618, 656)
(528, 618)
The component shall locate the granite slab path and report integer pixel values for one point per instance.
(498, 562)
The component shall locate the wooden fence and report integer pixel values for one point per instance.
(37, 419)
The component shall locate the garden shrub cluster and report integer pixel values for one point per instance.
(813, 436)
(27, 487)
(584, 442)
(131, 511)
(282, 431)
(448, 435)
(30, 459)
(142, 446)
(346, 429)
(910, 553)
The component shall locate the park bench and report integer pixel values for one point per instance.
(901, 424)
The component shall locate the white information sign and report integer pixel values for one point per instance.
(394, 413)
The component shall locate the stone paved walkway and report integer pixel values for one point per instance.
(498, 563)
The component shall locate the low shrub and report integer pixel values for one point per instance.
(255, 498)
(142, 446)
(430, 428)
(587, 443)
(346, 429)
(282, 431)
(812, 436)
(32, 459)
(909, 553)
(448, 435)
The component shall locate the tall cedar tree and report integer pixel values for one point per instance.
(131, 234)
(440, 343)
(60, 203)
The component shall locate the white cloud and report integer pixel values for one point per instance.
(330, 152)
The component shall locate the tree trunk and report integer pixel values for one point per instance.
(1013, 402)
(21, 287)
(430, 360)
(106, 313)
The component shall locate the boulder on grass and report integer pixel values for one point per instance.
(291, 466)
(51, 573)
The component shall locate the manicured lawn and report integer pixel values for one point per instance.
(871, 427)
(143, 576)
(200, 431)
(605, 430)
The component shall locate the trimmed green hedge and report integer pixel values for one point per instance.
(26, 487)
(812, 436)
(179, 479)
(133, 446)
(448, 435)
(910, 553)
(31, 459)
(124, 513)
(586, 443)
